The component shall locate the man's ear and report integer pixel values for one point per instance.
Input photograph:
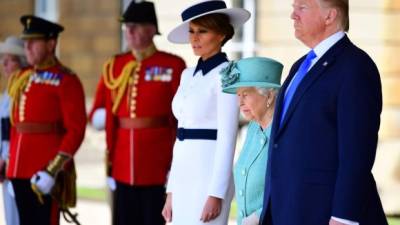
(331, 16)
(51, 45)
(152, 29)
(221, 38)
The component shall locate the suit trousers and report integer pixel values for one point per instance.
(138, 205)
(268, 216)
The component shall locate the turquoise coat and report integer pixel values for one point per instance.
(249, 171)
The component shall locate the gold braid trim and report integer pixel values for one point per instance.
(57, 164)
(16, 86)
(118, 85)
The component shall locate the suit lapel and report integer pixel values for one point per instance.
(281, 95)
(316, 71)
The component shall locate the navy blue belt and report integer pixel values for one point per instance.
(5, 129)
(204, 134)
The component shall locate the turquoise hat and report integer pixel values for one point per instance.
(251, 72)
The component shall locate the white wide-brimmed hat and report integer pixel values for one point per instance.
(12, 45)
(180, 34)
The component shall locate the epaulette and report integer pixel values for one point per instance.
(11, 79)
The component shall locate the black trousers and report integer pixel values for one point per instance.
(30, 210)
(138, 205)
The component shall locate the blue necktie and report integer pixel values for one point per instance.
(303, 69)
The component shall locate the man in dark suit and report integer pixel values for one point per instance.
(325, 128)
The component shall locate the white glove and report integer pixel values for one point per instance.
(111, 183)
(99, 119)
(251, 220)
(43, 181)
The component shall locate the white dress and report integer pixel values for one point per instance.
(10, 206)
(202, 168)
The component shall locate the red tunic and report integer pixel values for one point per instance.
(52, 96)
(142, 156)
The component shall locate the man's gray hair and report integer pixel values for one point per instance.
(343, 11)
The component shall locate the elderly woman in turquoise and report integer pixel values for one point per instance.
(255, 80)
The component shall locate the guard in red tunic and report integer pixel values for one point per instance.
(48, 124)
(137, 88)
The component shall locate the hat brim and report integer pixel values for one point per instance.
(32, 36)
(11, 49)
(180, 34)
(232, 89)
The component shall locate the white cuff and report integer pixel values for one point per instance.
(348, 222)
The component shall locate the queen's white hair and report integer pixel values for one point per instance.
(264, 91)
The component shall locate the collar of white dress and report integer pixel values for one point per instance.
(210, 63)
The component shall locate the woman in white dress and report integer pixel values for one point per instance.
(200, 187)
(12, 58)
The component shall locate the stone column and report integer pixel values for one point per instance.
(387, 167)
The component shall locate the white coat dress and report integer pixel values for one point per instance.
(202, 168)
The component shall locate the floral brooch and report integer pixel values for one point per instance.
(230, 74)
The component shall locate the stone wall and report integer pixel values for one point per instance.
(92, 35)
(10, 11)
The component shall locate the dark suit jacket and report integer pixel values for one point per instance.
(322, 154)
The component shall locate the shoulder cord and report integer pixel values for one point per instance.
(16, 86)
(118, 85)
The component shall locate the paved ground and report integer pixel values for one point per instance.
(90, 168)
(90, 213)
(89, 160)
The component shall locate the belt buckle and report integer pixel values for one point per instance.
(180, 134)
